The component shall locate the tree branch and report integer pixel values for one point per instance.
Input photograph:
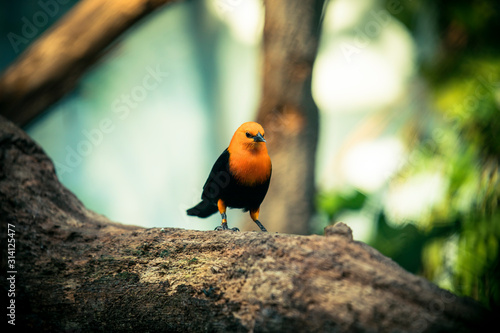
(76, 270)
(51, 67)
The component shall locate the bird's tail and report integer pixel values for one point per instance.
(203, 209)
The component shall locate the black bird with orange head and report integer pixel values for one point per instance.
(239, 178)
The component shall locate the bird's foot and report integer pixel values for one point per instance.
(219, 228)
(225, 227)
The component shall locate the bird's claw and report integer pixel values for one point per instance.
(225, 227)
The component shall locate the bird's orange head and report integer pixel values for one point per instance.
(249, 136)
(249, 161)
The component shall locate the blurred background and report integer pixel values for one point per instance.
(408, 146)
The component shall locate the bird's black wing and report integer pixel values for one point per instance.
(218, 179)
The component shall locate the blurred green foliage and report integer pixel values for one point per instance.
(334, 203)
(457, 245)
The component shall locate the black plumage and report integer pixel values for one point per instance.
(221, 184)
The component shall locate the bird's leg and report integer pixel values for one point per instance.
(224, 221)
(222, 210)
(254, 214)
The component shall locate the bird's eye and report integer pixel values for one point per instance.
(248, 135)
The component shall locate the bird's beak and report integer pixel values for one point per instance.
(259, 138)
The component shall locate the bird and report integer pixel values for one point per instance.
(239, 178)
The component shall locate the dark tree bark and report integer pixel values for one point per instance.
(51, 67)
(288, 112)
(75, 270)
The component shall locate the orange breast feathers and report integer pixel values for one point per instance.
(249, 161)
(250, 168)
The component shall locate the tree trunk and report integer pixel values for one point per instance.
(65, 268)
(51, 67)
(288, 112)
